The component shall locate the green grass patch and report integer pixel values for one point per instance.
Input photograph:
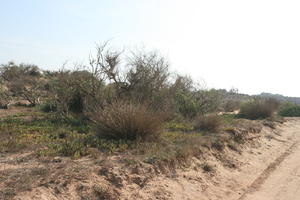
(73, 137)
(179, 126)
(18, 133)
(229, 119)
(290, 111)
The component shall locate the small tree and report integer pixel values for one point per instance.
(23, 81)
(144, 77)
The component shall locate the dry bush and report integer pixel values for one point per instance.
(210, 123)
(273, 104)
(127, 120)
(144, 76)
(4, 97)
(259, 108)
(231, 105)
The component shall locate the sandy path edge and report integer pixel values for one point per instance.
(257, 163)
(255, 186)
(262, 164)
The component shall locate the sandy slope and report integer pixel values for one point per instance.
(266, 168)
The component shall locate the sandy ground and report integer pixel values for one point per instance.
(281, 179)
(266, 168)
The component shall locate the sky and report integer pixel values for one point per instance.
(250, 45)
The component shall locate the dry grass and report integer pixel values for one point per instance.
(259, 108)
(127, 121)
(209, 123)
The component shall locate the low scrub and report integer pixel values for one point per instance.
(210, 123)
(231, 105)
(127, 121)
(290, 111)
(259, 109)
(48, 107)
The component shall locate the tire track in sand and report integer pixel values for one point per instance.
(268, 171)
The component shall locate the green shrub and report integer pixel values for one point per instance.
(186, 105)
(290, 111)
(127, 121)
(23, 81)
(191, 103)
(210, 123)
(259, 108)
(48, 107)
(76, 103)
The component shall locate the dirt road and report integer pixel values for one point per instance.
(269, 169)
(281, 179)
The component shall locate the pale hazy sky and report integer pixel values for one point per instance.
(252, 45)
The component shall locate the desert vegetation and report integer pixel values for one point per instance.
(289, 110)
(132, 107)
(120, 103)
(210, 123)
(259, 108)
